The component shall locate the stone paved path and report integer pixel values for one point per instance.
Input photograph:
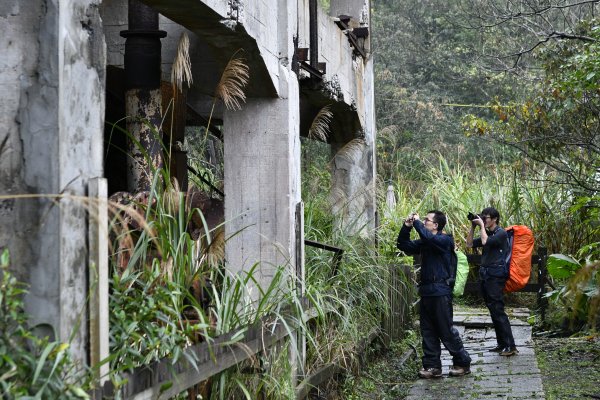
(492, 376)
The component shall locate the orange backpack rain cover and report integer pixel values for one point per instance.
(520, 260)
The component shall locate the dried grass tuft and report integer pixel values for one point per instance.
(182, 67)
(319, 128)
(352, 151)
(233, 81)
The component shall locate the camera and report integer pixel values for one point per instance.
(472, 216)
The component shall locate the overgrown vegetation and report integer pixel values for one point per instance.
(169, 289)
(531, 151)
(353, 296)
(389, 375)
(30, 366)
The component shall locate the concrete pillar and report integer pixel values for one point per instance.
(262, 183)
(54, 64)
(352, 188)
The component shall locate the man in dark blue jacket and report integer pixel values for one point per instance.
(493, 274)
(435, 289)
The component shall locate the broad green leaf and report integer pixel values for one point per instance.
(166, 386)
(562, 266)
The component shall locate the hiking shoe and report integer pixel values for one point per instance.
(457, 370)
(428, 373)
(509, 351)
(496, 349)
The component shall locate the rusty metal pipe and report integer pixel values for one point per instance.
(143, 95)
(142, 47)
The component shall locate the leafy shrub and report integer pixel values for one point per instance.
(578, 290)
(31, 367)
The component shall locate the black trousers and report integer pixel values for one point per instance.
(492, 292)
(436, 326)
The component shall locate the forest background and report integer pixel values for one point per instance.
(487, 102)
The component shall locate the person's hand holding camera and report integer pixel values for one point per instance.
(410, 219)
(476, 220)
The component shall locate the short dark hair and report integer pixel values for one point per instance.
(492, 212)
(439, 218)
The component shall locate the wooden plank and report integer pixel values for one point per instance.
(165, 379)
(323, 374)
(98, 276)
(146, 383)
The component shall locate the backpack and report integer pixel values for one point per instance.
(461, 268)
(518, 257)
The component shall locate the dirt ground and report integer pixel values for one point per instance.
(570, 367)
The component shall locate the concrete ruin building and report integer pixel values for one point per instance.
(70, 69)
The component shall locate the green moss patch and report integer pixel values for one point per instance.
(569, 367)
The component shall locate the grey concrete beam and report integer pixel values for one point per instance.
(225, 35)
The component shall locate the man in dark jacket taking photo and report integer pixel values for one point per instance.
(435, 289)
(493, 274)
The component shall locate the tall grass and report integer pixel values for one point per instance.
(171, 293)
(351, 301)
(537, 203)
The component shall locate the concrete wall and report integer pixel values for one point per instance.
(114, 20)
(261, 20)
(334, 50)
(51, 113)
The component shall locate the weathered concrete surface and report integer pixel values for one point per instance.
(51, 118)
(492, 376)
(352, 8)
(228, 27)
(262, 183)
(348, 86)
(345, 71)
